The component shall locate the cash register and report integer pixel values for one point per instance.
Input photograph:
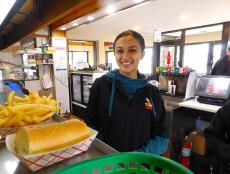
(213, 89)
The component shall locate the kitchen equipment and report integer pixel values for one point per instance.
(154, 83)
(81, 82)
(179, 81)
(213, 89)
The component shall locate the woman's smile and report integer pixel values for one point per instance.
(128, 54)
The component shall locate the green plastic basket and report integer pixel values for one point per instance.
(126, 163)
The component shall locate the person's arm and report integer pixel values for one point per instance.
(91, 110)
(158, 144)
(215, 134)
(219, 67)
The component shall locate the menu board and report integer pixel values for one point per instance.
(214, 87)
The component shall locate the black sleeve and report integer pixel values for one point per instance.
(91, 117)
(214, 69)
(161, 127)
(217, 147)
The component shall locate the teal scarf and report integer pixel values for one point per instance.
(127, 84)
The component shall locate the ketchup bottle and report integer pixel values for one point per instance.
(168, 58)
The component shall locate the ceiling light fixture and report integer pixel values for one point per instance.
(183, 17)
(75, 24)
(137, 1)
(63, 28)
(5, 7)
(110, 9)
(90, 18)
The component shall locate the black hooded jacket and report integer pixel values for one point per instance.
(221, 67)
(218, 135)
(131, 124)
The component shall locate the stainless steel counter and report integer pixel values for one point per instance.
(171, 102)
(9, 164)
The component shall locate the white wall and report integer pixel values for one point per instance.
(204, 37)
(80, 33)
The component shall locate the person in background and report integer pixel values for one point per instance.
(218, 136)
(222, 66)
(127, 111)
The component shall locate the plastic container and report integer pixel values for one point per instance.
(126, 163)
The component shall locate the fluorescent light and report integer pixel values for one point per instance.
(63, 28)
(110, 9)
(183, 17)
(75, 24)
(137, 1)
(136, 28)
(5, 7)
(90, 18)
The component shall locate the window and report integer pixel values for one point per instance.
(163, 55)
(216, 53)
(78, 59)
(196, 57)
(145, 65)
(71, 59)
(111, 60)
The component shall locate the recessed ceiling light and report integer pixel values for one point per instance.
(183, 17)
(75, 24)
(90, 18)
(137, 1)
(63, 28)
(110, 9)
(136, 28)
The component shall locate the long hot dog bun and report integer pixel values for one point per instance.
(48, 137)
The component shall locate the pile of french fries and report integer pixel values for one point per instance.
(30, 110)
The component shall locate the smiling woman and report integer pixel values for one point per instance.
(123, 105)
(129, 50)
(5, 7)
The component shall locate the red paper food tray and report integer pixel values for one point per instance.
(39, 161)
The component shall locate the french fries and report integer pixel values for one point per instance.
(30, 110)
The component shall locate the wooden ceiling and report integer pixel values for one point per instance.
(27, 16)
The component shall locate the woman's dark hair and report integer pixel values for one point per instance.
(134, 34)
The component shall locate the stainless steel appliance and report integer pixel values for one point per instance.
(213, 89)
(80, 84)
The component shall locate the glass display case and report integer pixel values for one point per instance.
(80, 84)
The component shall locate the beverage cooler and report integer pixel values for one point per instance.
(80, 84)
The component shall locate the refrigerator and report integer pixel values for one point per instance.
(80, 84)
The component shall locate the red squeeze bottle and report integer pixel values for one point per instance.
(168, 58)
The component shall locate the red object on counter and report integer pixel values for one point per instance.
(168, 69)
(185, 70)
(168, 58)
(185, 154)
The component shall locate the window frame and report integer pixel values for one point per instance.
(181, 42)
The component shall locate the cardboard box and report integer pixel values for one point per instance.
(198, 143)
(38, 161)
